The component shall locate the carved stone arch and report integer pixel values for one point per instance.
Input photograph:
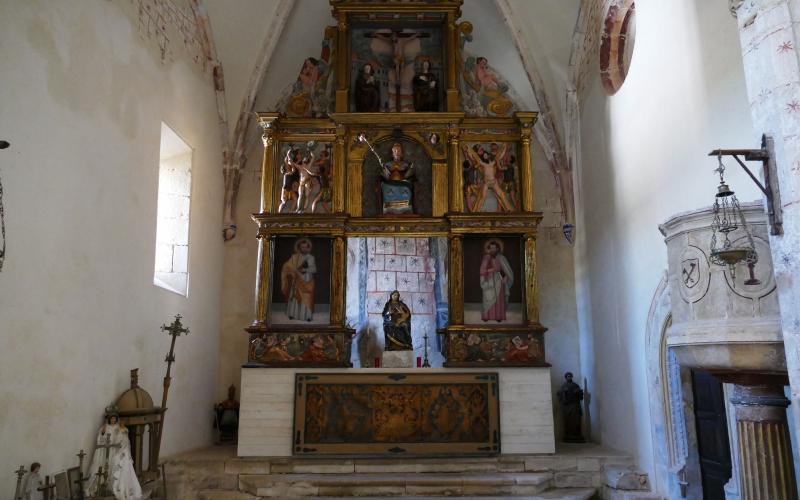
(666, 394)
(616, 45)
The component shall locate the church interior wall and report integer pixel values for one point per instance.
(643, 158)
(84, 95)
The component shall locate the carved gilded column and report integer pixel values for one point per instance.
(342, 58)
(453, 103)
(456, 278)
(531, 287)
(267, 167)
(526, 164)
(765, 450)
(456, 177)
(440, 188)
(339, 167)
(354, 186)
(265, 245)
(338, 281)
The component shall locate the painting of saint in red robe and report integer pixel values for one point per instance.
(496, 279)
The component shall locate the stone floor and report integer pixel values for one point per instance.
(574, 472)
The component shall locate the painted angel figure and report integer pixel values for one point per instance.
(297, 281)
(496, 280)
(113, 455)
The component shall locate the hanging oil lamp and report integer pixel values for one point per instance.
(728, 218)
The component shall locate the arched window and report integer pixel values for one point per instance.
(616, 47)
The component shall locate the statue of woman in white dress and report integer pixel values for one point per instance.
(113, 454)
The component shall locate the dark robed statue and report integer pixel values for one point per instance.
(570, 396)
(426, 89)
(397, 324)
(367, 91)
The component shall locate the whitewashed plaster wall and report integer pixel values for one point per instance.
(643, 158)
(83, 97)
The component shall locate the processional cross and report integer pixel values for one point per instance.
(47, 489)
(20, 474)
(81, 479)
(398, 38)
(174, 330)
(102, 472)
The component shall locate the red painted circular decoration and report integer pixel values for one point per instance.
(616, 46)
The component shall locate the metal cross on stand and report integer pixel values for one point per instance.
(47, 489)
(425, 363)
(81, 478)
(102, 472)
(20, 474)
(174, 330)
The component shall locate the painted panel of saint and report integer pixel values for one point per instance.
(301, 281)
(390, 62)
(491, 177)
(493, 281)
(304, 178)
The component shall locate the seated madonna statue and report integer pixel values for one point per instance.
(397, 188)
(397, 324)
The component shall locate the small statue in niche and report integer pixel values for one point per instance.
(570, 396)
(397, 188)
(307, 176)
(290, 178)
(367, 91)
(226, 417)
(323, 175)
(397, 324)
(426, 89)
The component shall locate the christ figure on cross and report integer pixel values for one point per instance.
(403, 46)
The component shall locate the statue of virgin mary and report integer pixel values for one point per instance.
(113, 455)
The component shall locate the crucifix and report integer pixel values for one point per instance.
(81, 479)
(398, 38)
(102, 472)
(174, 330)
(20, 474)
(47, 489)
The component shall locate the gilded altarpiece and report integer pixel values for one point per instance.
(394, 152)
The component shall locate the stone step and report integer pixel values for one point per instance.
(409, 485)
(555, 494)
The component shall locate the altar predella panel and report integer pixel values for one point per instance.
(396, 414)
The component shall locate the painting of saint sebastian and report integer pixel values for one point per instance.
(489, 166)
(496, 278)
(297, 281)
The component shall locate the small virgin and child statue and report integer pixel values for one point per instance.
(397, 324)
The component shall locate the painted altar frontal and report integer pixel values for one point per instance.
(396, 230)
